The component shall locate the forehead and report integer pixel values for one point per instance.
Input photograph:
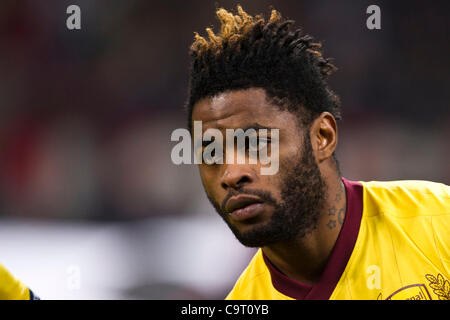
(239, 108)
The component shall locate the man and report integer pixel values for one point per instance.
(320, 236)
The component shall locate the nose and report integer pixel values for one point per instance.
(236, 176)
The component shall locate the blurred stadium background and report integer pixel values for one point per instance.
(91, 206)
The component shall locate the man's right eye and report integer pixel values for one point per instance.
(256, 143)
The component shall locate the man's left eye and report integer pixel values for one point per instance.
(257, 143)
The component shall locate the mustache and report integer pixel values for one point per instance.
(265, 196)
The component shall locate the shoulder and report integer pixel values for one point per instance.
(11, 288)
(254, 276)
(406, 198)
(410, 219)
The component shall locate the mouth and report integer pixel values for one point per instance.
(241, 208)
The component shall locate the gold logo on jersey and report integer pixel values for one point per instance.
(440, 286)
(412, 292)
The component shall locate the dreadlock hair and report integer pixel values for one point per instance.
(250, 52)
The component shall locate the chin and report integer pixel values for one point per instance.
(255, 233)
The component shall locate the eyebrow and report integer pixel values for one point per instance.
(254, 125)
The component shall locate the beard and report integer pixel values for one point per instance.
(302, 193)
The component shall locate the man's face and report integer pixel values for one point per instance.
(262, 209)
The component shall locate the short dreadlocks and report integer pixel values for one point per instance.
(250, 52)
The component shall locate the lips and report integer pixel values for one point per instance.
(239, 202)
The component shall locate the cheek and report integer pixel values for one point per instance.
(290, 150)
(272, 184)
(290, 154)
(209, 181)
(288, 161)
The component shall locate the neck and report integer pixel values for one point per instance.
(304, 259)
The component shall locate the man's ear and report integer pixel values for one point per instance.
(324, 136)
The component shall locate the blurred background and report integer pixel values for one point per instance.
(91, 206)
